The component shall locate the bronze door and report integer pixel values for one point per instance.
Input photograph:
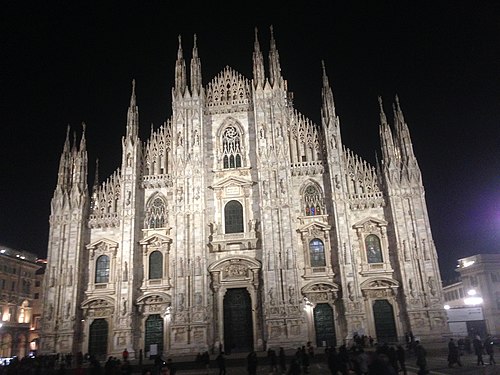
(385, 326)
(98, 338)
(154, 333)
(238, 327)
(324, 325)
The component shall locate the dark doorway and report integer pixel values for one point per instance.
(98, 338)
(238, 332)
(385, 327)
(154, 333)
(324, 325)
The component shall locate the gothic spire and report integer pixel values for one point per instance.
(404, 139)
(83, 143)
(133, 115)
(389, 157)
(258, 63)
(180, 71)
(195, 70)
(328, 107)
(96, 176)
(274, 63)
(63, 174)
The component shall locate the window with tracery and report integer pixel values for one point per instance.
(373, 249)
(313, 201)
(156, 214)
(102, 269)
(231, 148)
(317, 253)
(155, 265)
(233, 217)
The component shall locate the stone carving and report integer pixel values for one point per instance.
(236, 270)
(270, 294)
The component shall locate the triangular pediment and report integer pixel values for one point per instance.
(232, 181)
(155, 239)
(103, 243)
(370, 221)
(314, 226)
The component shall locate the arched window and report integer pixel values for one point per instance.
(373, 250)
(102, 269)
(313, 201)
(233, 216)
(155, 265)
(156, 213)
(317, 253)
(231, 148)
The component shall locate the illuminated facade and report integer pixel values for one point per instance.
(240, 223)
(18, 275)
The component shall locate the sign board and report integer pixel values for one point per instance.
(153, 350)
(458, 329)
(465, 314)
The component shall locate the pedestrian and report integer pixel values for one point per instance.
(282, 360)
(273, 361)
(125, 354)
(221, 363)
(478, 350)
(489, 348)
(453, 354)
(205, 360)
(171, 366)
(401, 355)
(333, 361)
(252, 363)
(421, 355)
(294, 366)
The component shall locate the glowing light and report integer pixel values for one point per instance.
(471, 301)
(468, 263)
(472, 292)
(446, 307)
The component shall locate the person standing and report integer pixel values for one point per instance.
(252, 363)
(282, 360)
(401, 355)
(489, 348)
(478, 350)
(421, 355)
(125, 355)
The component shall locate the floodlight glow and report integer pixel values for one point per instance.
(446, 307)
(472, 292)
(471, 301)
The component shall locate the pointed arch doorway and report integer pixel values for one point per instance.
(238, 324)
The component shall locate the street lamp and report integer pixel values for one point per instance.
(473, 298)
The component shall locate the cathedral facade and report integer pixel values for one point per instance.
(240, 224)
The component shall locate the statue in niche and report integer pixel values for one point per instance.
(181, 267)
(179, 139)
(412, 293)
(50, 311)
(291, 294)
(197, 267)
(68, 310)
(270, 294)
(125, 272)
(197, 299)
(432, 286)
(350, 290)
(124, 306)
(70, 276)
(181, 301)
(251, 225)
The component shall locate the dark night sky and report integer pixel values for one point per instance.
(63, 64)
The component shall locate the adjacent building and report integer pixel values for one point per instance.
(18, 302)
(240, 224)
(473, 302)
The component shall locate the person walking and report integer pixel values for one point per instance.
(478, 350)
(453, 354)
(489, 348)
(421, 355)
(221, 363)
(282, 360)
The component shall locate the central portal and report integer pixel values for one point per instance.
(238, 327)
